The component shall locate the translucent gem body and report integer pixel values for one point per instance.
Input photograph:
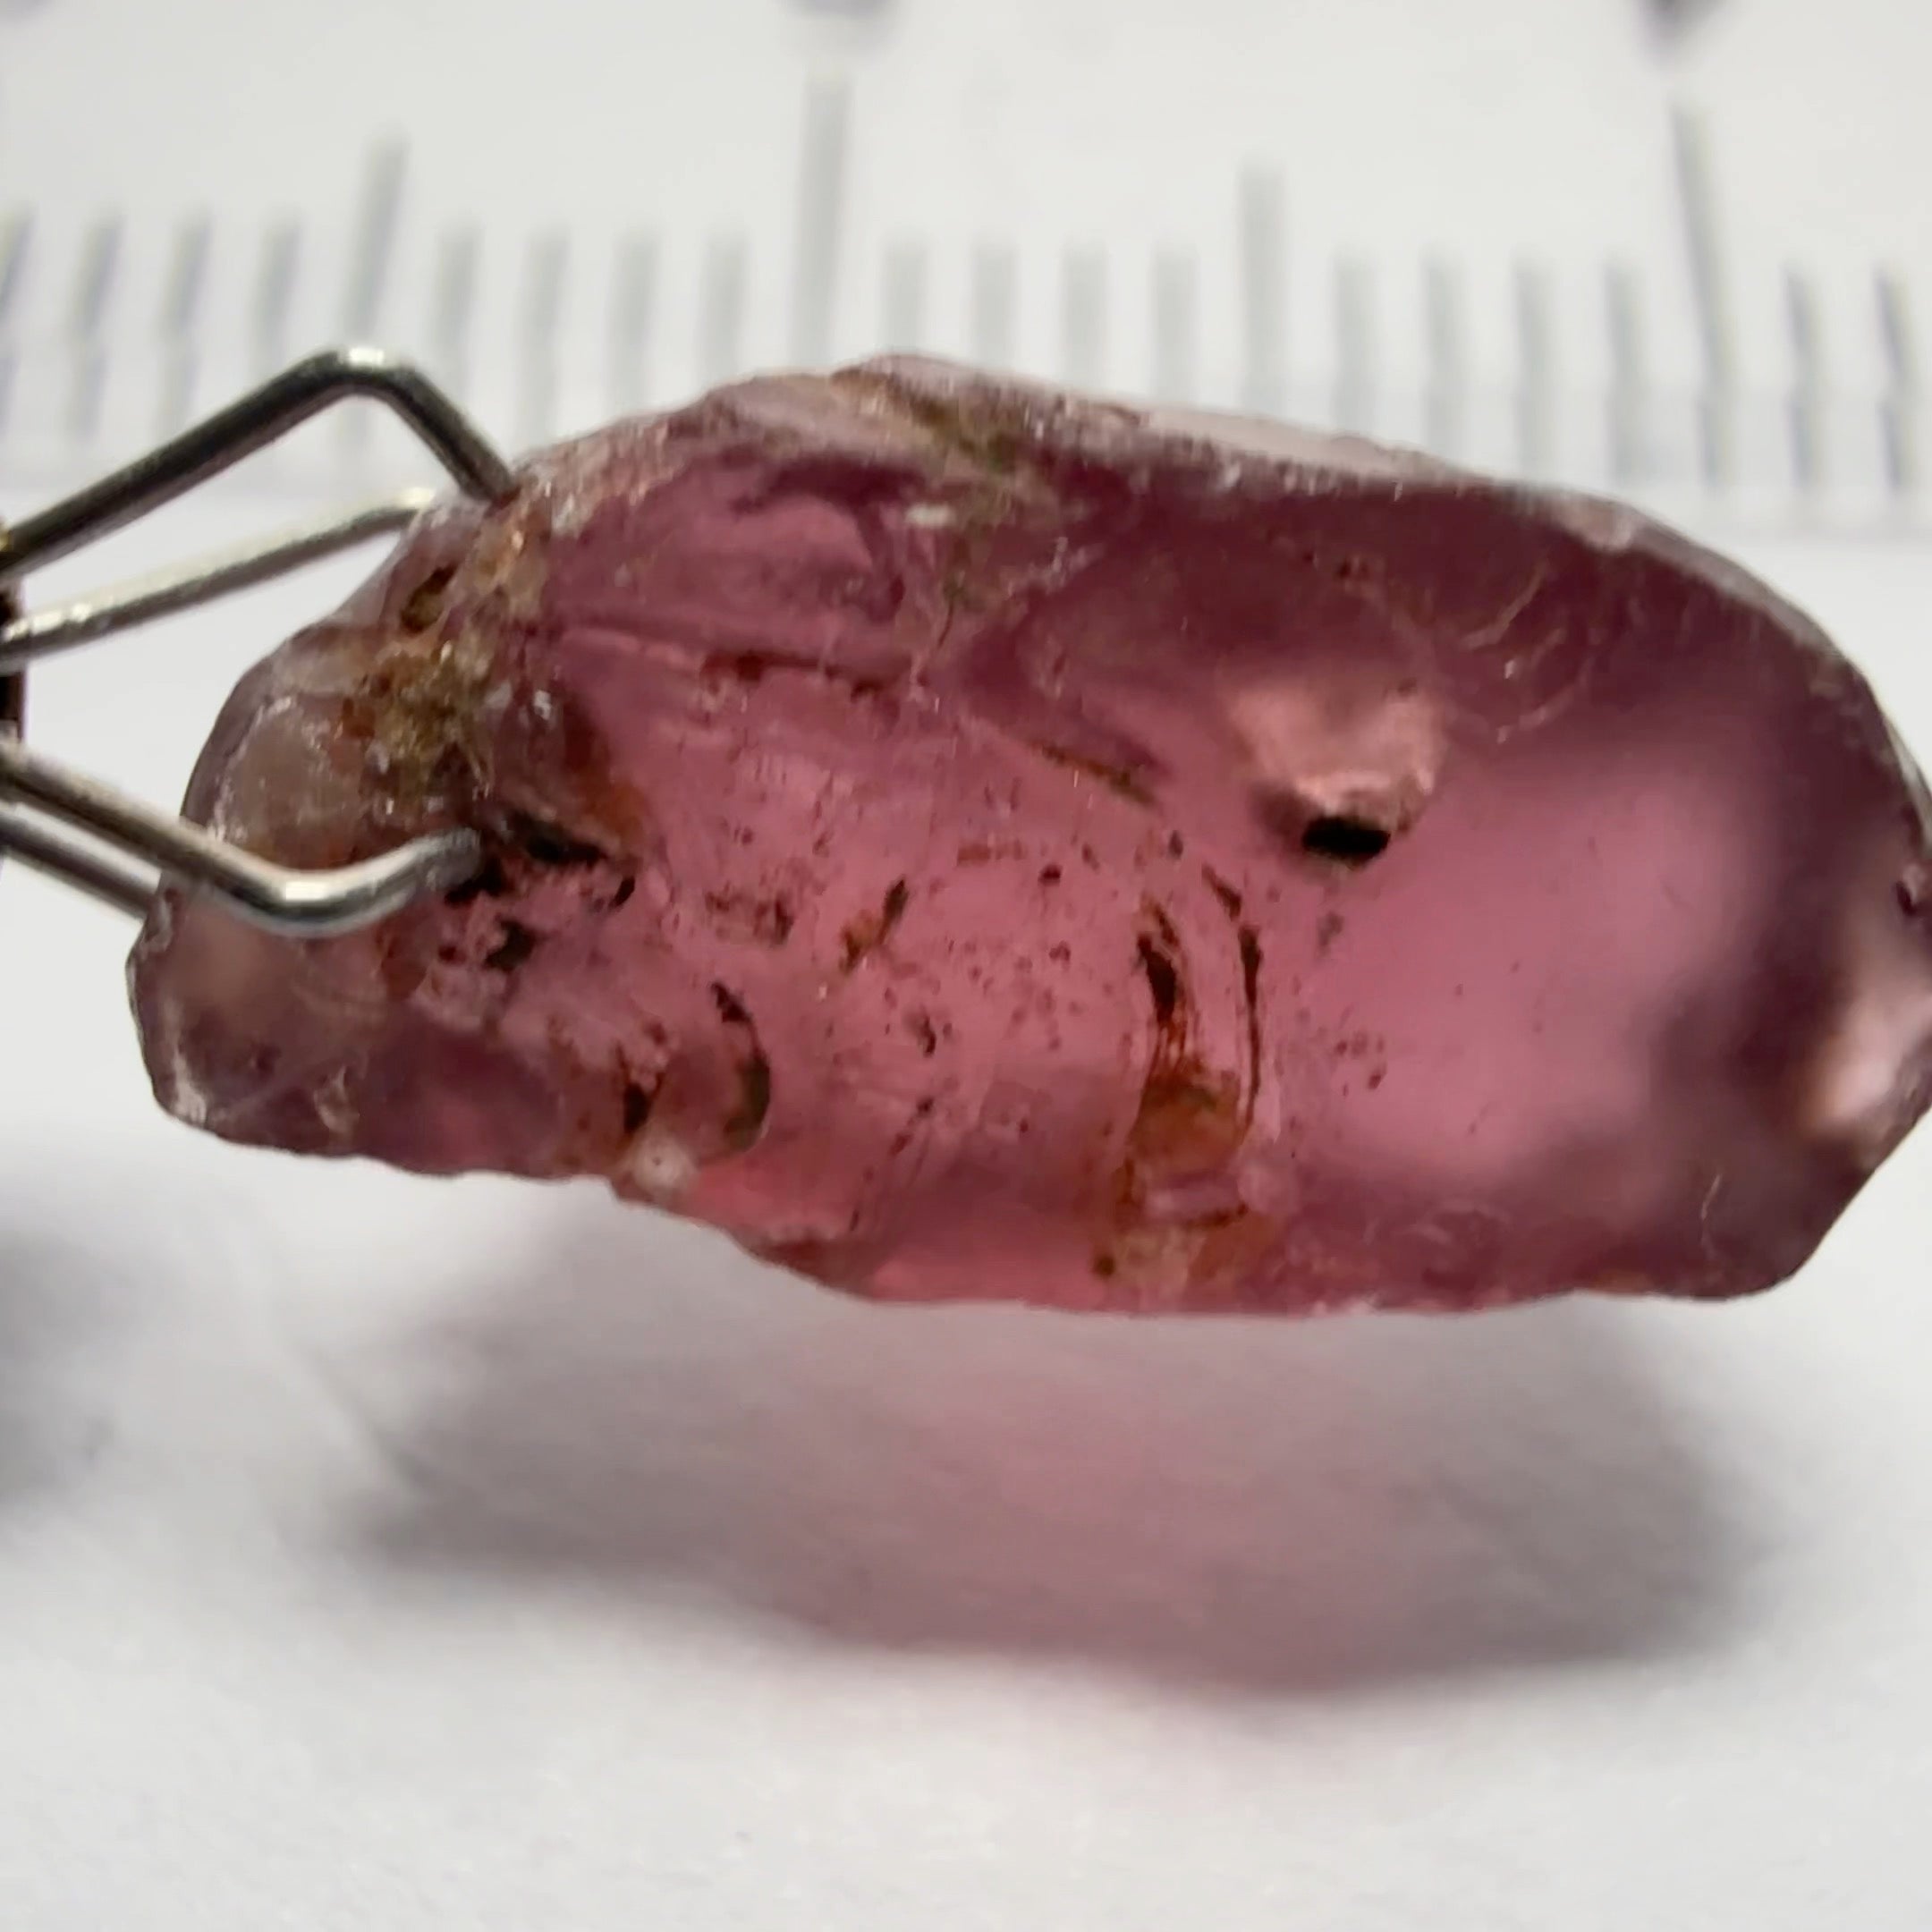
(964, 841)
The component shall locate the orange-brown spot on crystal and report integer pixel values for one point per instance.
(636, 1104)
(766, 919)
(1117, 778)
(420, 710)
(988, 433)
(1230, 1252)
(747, 1118)
(1190, 1121)
(424, 604)
(505, 566)
(754, 1102)
(866, 934)
(1231, 899)
(984, 851)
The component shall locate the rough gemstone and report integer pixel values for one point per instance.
(966, 841)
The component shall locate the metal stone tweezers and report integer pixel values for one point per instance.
(92, 836)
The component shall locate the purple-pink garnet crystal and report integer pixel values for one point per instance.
(967, 841)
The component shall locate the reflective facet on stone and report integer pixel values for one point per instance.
(967, 841)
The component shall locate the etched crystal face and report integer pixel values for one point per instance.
(966, 841)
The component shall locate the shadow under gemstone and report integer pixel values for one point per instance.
(58, 1302)
(1289, 1508)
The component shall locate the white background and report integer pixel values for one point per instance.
(387, 1554)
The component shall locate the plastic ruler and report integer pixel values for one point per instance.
(1547, 240)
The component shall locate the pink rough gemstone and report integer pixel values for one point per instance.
(964, 841)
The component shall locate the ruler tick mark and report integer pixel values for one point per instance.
(373, 247)
(274, 298)
(16, 237)
(371, 250)
(1536, 374)
(1354, 365)
(1805, 404)
(993, 300)
(1696, 203)
(544, 270)
(633, 296)
(94, 287)
(180, 315)
(1264, 293)
(1899, 407)
(904, 302)
(1627, 400)
(1448, 379)
(1173, 325)
(824, 139)
(1083, 317)
(453, 306)
(721, 310)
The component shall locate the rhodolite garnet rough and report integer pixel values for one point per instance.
(967, 841)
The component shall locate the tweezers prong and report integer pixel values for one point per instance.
(248, 425)
(101, 874)
(122, 609)
(307, 904)
(121, 841)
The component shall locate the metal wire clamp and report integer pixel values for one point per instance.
(99, 839)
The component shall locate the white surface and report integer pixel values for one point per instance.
(1334, 208)
(391, 1554)
(412, 1556)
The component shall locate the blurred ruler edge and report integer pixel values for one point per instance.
(109, 338)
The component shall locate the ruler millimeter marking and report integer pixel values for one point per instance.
(598, 326)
